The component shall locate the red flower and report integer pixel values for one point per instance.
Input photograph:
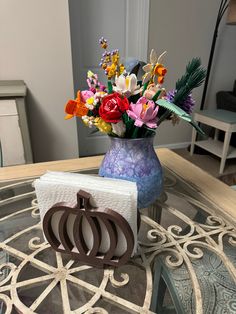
(112, 107)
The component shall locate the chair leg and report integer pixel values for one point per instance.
(225, 151)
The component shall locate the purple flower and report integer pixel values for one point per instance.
(144, 112)
(187, 105)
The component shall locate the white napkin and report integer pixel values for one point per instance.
(118, 195)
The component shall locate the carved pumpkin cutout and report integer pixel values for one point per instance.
(69, 229)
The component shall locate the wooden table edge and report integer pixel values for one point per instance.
(217, 192)
(213, 189)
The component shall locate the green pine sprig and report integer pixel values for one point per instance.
(191, 67)
(193, 77)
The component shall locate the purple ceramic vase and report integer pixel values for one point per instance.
(135, 160)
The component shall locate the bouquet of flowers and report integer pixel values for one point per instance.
(129, 108)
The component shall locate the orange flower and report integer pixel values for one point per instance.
(160, 79)
(160, 70)
(75, 108)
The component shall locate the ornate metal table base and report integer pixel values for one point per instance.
(36, 279)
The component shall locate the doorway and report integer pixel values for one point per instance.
(124, 24)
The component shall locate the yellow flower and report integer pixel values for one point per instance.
(90, 103)
(102, 125)
(90, 74)
(111, 70)
(115, 58)
(122, 68)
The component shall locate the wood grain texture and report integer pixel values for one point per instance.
(214, 190)
(217, 192)
(38, 169)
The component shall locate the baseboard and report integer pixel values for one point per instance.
(174, 145)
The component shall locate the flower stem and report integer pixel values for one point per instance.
(154, 98)
(163, 117)
(145, 87)
(135, 132)
(109, 85)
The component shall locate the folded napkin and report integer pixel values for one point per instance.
(118, 195)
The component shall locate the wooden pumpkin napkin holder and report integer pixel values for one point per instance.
(71, 240)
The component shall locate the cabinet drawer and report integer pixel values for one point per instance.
(8, 107)
(10, 134)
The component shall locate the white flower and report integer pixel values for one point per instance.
(119, 128)
(88, 121)
(127, 85)
(90, 103)
(149, 67)
(94, 100)
(99, 95)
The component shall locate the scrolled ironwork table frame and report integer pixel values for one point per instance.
(198, 216)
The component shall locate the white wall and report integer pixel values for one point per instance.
(184, 28)
(223, 72)
(35, 47)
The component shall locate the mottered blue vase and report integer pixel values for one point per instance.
(135, 160)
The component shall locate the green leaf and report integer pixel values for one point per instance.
(180, 113)
(196, 126)
(174, 109)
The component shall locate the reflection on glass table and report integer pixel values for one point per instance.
(185, 263)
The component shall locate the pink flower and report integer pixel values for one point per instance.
(144, 112)
(93, 83)
(85, 94)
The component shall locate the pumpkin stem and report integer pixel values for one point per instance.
(83, 200)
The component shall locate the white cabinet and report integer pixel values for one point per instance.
(14, 132)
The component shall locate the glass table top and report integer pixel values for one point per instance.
(181, 242)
